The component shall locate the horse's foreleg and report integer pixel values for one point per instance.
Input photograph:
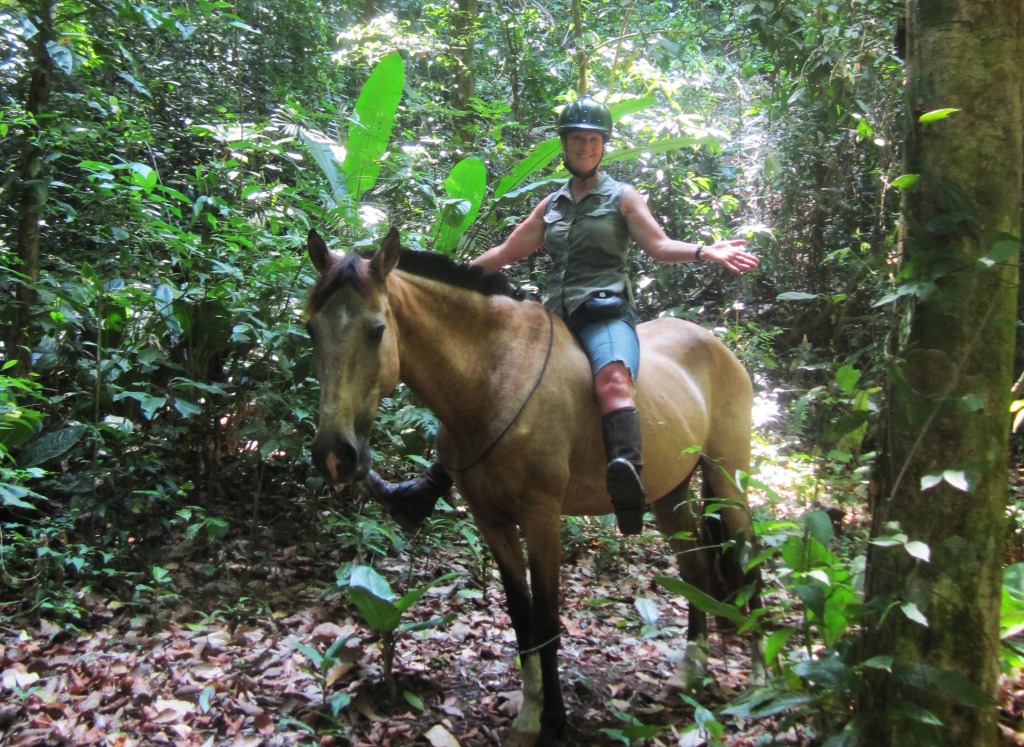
(503, 540)
(544, 553)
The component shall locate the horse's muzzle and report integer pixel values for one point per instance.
(338, 459)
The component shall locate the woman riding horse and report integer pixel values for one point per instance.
(586, 226)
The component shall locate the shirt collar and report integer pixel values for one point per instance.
(604, 186)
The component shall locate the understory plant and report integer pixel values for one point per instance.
(382, 611)
(322, 666)
(811, 639)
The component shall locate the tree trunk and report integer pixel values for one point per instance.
(943, 473)
(32, 187)
(582, 54)
(464, 28)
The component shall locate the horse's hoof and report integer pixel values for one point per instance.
(521, 739)
(547, 740)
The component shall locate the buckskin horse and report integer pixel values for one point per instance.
(519, 430)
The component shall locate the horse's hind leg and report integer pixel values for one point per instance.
(727, 454)
(679, 518)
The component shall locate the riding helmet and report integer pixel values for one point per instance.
(585, 114)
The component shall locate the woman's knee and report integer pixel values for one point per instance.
(613, 387)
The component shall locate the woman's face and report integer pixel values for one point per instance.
(584, 149)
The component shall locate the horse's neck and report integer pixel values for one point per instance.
(466, 355)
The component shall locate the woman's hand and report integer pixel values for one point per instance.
(730, 253)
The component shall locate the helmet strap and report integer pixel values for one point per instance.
(584, 175)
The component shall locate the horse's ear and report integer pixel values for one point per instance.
(318, 251)
(386, 258)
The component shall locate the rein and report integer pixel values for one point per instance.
(533, 390)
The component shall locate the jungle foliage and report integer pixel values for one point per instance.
(183, 151)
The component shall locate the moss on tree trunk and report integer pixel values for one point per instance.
(944, 467)
(32, 189)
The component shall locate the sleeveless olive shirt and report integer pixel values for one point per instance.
(587, 242)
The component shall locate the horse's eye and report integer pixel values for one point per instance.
(377, 331)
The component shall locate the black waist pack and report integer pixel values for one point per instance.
(603, 305)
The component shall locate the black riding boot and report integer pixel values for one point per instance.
(412, 501)
(622, 444)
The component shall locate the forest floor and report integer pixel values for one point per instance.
(225, 669)
(230, 652)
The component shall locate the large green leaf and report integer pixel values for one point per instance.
(664, 145)
(380, 614)
(464, 189)
(51, 445)
(11, 495)
(701, 600)
(367, 578)
(372, 595)
(620, 109)
(149, 403)
(372, 123)
(18, 425)
(532, 191)
(328, 155)
(537, 159)
(434, 622)
(1011, 615)
(763, 702)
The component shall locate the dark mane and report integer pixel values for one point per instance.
(434, 266)
(348, 271)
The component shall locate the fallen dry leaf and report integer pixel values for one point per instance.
(438, 736)
(170, 711)
(16, 678)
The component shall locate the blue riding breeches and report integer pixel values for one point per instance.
(608, 340)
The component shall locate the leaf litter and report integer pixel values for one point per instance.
(220, 662)
(211, 667)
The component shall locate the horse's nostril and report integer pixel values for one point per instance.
(331, 467)
(337, 459)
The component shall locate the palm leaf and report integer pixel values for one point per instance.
(536, 160)
(465, 189)
(372, 123)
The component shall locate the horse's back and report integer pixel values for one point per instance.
(676, 351)
(693, 396)
(690, 345)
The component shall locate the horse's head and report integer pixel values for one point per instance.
(356, 349)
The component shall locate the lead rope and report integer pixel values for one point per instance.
(549, 641)
(536, 384)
